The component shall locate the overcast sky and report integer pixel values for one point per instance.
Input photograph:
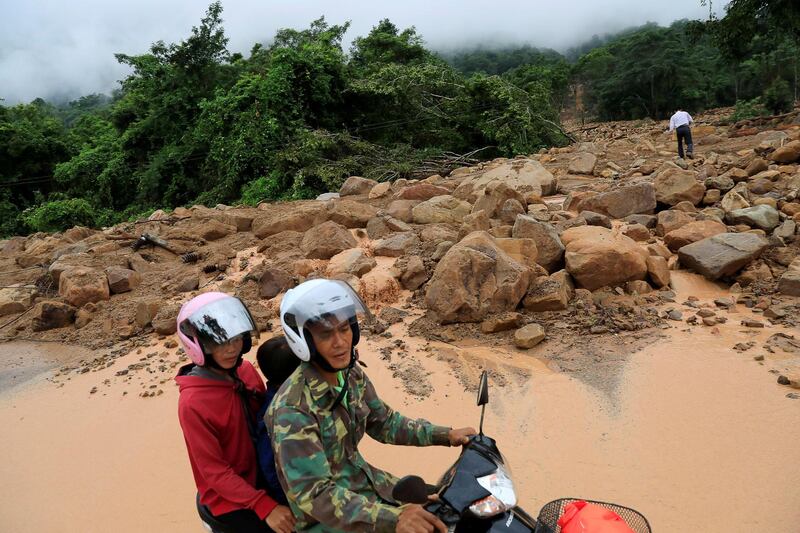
(59, 48)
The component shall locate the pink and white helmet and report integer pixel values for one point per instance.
(213, 318)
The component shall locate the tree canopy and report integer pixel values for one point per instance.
(195, 123)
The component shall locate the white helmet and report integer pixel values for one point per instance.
(315, 301)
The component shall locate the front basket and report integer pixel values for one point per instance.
(550, 513)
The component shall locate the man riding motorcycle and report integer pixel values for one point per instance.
(320, 414)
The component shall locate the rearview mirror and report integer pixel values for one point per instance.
(483, 389)
(410, 489)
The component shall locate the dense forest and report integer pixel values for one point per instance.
(195, 123)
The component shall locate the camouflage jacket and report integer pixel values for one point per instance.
(329, 485)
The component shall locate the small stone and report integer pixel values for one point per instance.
(751, 323)
(724, 302)
(783, 380)
(674, 314)
(758, 358)
(529, 336)
(501, 322)
(775, 313)
(709, 321)
(705, 312)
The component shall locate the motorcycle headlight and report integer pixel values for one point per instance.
(503, 497)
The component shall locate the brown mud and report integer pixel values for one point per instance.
(696, 435)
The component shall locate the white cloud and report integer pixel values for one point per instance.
(53, 48)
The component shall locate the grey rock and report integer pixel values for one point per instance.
(761, 216)
(723, 254)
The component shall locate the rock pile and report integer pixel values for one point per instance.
(512, 238)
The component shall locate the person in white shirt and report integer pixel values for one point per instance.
(680, 121)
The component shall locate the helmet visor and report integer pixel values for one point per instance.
(328, 305)
(222, 321)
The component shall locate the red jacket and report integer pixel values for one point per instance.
(221, 452)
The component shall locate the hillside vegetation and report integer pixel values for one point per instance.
(196, 124)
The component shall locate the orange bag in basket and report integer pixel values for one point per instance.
(582, 517)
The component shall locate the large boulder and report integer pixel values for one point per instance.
(438, 233)
(582, 163)
(598, 257)
(16, 299)
(282, 245)
(723, 254)
(622, 202)
(526, 176)
(789, 282)
(674, 185)
(212, 229)
(350, 214)
(693, 232)
(421, 191)
(377, 228)
(523, 251)
(80, 286)
(273, 281)
(722, 182)
(51, 314)
(787, 154)
(733, 201)
(301, 217)
(122, 279)
(494, 196)
(548, 244)
(439, 209)
(510, 210)
(755, 166)
(474, 279)
(402, 209)
(327, 240)
(353, 262)
(12, 247)
(380, 190)
(86, 260)
(38, 251)
(356, 185)
(396, 244)
(761, 216)
(475, 221)
(670, 220)
(549, 293)
(658, 270)
(241, 218)
(411, 272)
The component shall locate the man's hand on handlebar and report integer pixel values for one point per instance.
(460, 436)
(415, 519)
(281, 519)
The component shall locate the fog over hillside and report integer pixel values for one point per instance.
(61, 50)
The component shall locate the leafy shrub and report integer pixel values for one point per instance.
(746, 109)
(10, 223)
(778, 97)
(60, 214)
(257, 191)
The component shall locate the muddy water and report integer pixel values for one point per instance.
(698, 437)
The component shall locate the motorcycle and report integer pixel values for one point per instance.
(477, 495)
